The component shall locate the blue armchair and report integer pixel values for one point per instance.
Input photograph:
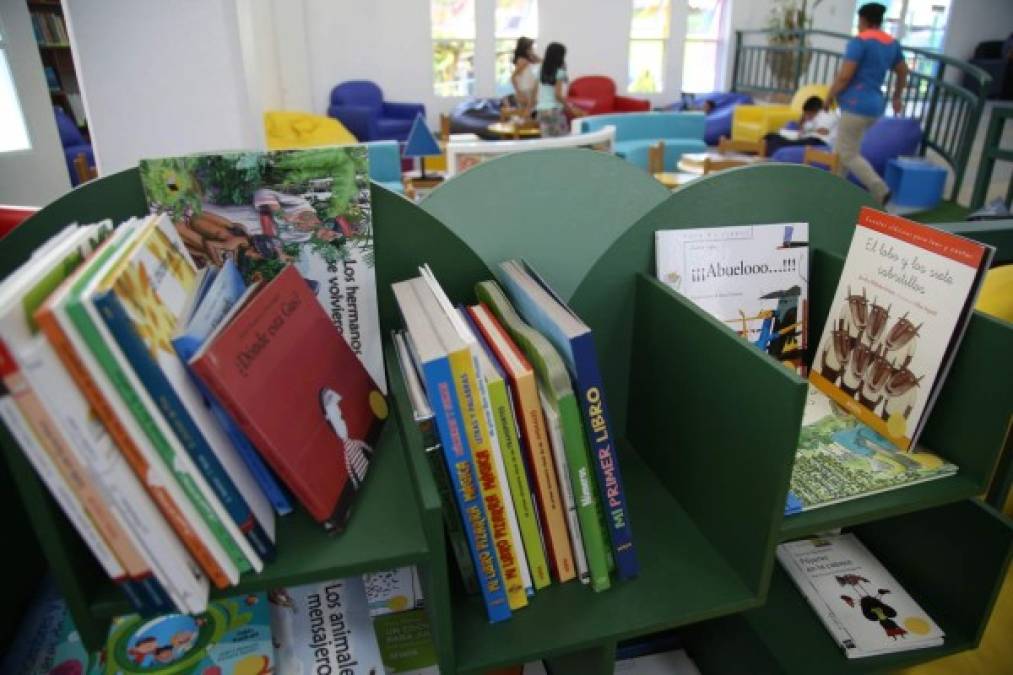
(359, 105)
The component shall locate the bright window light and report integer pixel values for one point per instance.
(13, 132)
(514, 19)
(453, 28)
(703, 39)
(649, 29)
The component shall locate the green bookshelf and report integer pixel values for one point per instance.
(951, 559)
(708, 424)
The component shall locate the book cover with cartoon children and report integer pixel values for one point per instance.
(233, 637)
(264, 210)
(754, 278)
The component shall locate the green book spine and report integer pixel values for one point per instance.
(517, 478)
(86, 329)
(582, 480)
(451, 516)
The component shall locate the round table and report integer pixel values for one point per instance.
(509, 129)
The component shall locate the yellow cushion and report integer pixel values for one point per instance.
(291, 129)
(803, 94)
(996, 296)
(753, 122)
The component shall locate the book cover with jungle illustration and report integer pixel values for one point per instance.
(264, 210)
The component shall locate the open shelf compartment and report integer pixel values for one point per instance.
(951, 559)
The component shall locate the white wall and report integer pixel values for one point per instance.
(161, 78)
(36, 176)
(974, 21)
(389, 42)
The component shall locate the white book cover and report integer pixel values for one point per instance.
(900, 309)
(69, 503)
(868, 603)
(394, 590)
(554, 427)
(158, 470)
(175, 570)
(753, 278)
(324, 628)
(675, 662)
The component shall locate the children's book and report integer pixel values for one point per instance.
(26, 412)
(394, 590)
(324, 627)
(565, 435)
(171, 480)
(406, 643)
(443, 357)
(425, 419)
(754, 278)
(533, 439)
(473, 396)
(516, 473)
(839, 458)
(217, 300)
(233, 637)
(265, 210)
(81, 324)
(545, 310)
(900, 310)
(294, 386)
(141, 301)
(507, 463)
(861, 604)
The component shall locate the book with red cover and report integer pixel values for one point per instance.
(293, 384)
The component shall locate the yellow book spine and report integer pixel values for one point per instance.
(477, 431)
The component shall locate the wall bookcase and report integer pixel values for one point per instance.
(710, 423)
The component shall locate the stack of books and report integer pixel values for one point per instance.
(862, 606)
(509, 398)
(140, 372)
(901, 307)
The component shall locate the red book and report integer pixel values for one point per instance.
(289, 379)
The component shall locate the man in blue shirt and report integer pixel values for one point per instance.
(858, 89)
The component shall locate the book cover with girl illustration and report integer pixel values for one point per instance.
(264, 210)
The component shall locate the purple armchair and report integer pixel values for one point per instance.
(359, 105)
(73, 143)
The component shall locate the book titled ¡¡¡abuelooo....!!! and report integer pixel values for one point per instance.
(287, 377)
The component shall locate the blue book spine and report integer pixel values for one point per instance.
(464, 477)
(601, 441)
(152, 596)
(186, 346)
(189, 435)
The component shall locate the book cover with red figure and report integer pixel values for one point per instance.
(285, 374)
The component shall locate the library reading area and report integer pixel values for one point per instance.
(506, 337)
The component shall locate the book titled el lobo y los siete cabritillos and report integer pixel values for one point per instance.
(900, 310)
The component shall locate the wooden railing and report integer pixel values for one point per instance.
(779, 62)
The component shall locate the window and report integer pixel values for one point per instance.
(13, 132)
(648, 35)
(514, 19)
(453, 26)
(700, 55)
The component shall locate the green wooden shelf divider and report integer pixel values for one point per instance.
(708, 423)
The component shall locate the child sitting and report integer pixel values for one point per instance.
(816, 127)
